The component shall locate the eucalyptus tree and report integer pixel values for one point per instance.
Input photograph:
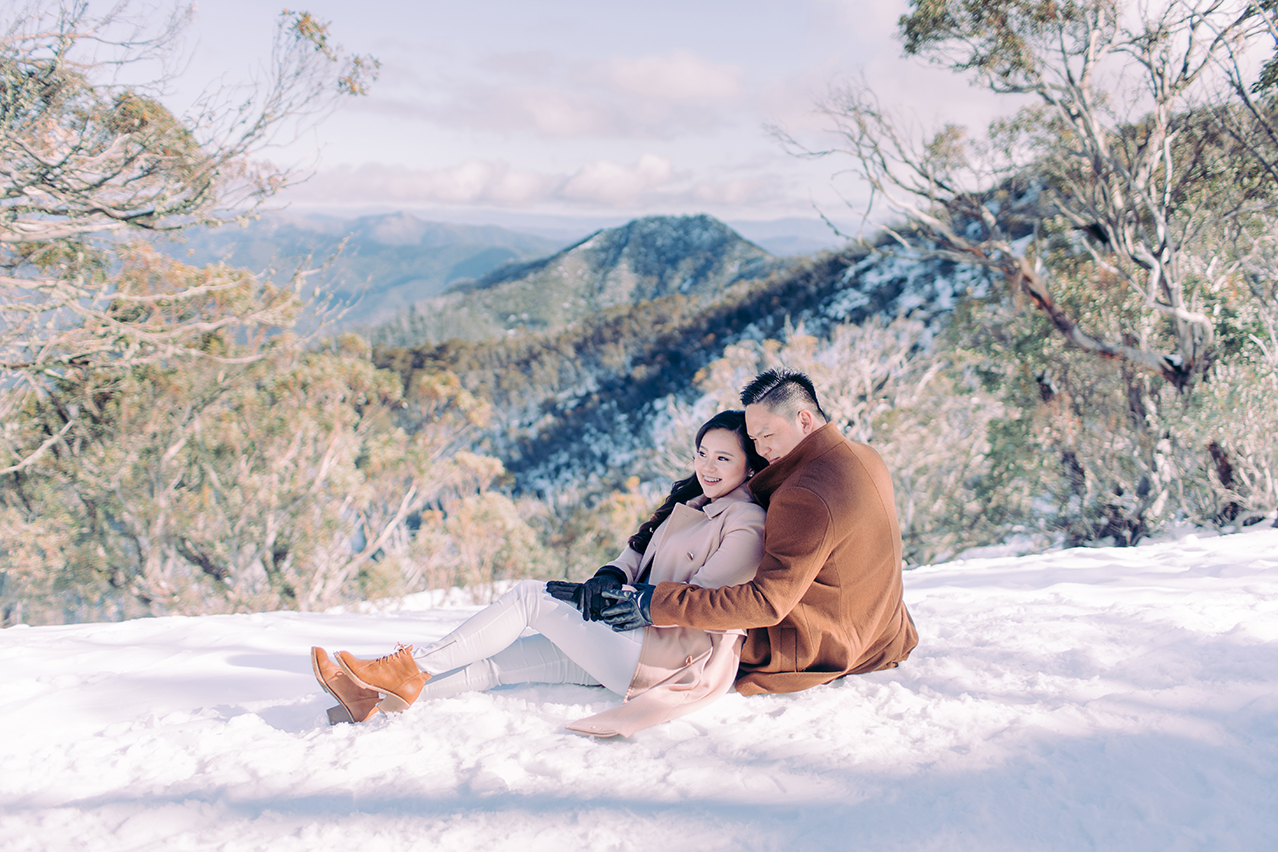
(1121, 139)
(1128, 197)
(89, 163)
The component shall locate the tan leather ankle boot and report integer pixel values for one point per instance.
(355, 703)
(395, 674)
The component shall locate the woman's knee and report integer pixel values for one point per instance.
(529, 588)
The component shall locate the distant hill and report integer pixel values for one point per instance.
(650, 258)
(389, 261)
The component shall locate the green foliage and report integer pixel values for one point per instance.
(226, 488)
(1096, 451)
(582, 531)
(1143, 143)
(89, 162)
(1132, 209)
(1003, 40)
(166, 444)
(1266, 83)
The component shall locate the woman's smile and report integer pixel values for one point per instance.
(720, 463)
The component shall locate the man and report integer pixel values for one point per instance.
(826, 600)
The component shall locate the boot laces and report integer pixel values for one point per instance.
(400, 648)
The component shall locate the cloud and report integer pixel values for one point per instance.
(474, 182)
(649, 184)
(597, 184)
(679, 76)
(609, 183)
(739, 192)
(647, 97)
(557, 115)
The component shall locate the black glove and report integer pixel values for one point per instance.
(593, 603)
(630, 612)
(587, 597)
(565, 591)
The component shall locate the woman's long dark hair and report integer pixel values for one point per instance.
(685, 489)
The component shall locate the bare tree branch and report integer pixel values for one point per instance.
(88, 165)
(1120, 146)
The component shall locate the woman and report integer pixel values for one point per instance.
(709, 531)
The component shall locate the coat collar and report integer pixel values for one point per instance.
(718, 506)
(774, 475)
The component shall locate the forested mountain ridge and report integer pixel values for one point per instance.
(580, 404)
(648, 258)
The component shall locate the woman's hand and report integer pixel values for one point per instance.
(588, 597)
(593, 603)
(564, 591)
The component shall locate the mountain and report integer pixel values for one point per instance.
(580, 406)
(386, 262)
(651, 258)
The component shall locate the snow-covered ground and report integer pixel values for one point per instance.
(1084, 699)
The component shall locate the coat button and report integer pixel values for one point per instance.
(687, 661)
(690, 556)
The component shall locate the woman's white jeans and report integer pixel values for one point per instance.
(488, 650)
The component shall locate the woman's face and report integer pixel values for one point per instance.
(720, 463)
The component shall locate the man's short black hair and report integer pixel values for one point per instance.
(784, 392)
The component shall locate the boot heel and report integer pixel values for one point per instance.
(339, 714)
(392, 704)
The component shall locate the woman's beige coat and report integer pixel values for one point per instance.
(708, 544)
(826, 599)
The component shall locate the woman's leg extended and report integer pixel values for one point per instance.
(609, 657)
(532, 659)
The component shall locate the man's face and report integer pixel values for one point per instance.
(775, 436)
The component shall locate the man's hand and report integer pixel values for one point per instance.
(630, 612)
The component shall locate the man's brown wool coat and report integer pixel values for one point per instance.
(826, 600)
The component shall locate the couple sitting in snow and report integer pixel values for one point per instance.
(708, 593)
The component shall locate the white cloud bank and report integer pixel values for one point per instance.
(649, 183)
(606, 182)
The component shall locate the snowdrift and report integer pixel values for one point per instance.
(1122, 699)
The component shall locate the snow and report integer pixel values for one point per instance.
(1113, 699)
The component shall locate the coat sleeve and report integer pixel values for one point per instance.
(799, 539)
(739, 551)
(629, 562)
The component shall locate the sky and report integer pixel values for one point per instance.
(485, 110)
